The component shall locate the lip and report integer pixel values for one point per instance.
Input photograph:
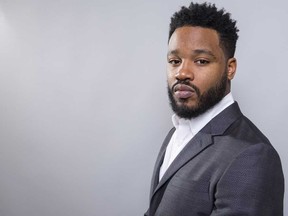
(183, 91)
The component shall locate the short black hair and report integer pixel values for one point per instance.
(206, 15)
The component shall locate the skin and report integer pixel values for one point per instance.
(195, 56)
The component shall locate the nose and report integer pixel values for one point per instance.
(184, 72)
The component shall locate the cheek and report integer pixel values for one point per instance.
(205, 82)
(170, 78)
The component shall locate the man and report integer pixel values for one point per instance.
(214, 161)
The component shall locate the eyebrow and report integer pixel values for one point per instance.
(194, 52)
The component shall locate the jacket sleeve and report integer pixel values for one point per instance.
(253, 184)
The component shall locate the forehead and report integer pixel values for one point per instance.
(194, 38)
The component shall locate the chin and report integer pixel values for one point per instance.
(187, 103)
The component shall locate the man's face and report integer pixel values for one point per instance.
(198, 74)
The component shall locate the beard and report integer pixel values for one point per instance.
(205, 101)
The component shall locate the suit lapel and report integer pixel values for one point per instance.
(194, 147)
(159, 161)
(201, 141)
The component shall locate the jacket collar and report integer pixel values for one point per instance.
(217, 126)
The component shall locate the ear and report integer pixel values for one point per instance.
(231, 68)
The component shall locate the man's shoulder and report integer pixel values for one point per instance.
(245, 130)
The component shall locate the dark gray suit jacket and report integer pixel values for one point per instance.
(228, 169)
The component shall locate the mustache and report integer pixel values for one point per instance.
(186, 82)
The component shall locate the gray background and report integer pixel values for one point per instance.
(83, 105)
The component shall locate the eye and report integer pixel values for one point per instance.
(202, 62)
(174, 61)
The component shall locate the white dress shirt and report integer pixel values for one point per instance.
(186, 129)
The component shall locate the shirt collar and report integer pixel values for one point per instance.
(197, 123)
